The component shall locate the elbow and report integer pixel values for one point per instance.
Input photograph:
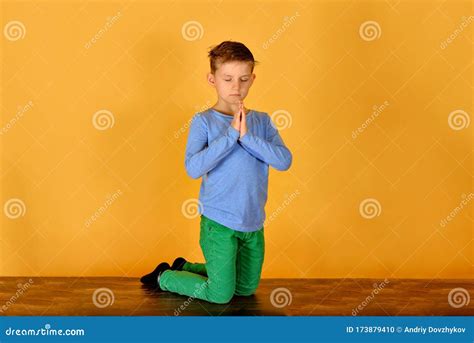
(284, 167)
(194, 175)
(285, 164)
(192, 172)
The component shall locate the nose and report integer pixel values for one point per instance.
(236, 85)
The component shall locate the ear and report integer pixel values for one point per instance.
(211, 79)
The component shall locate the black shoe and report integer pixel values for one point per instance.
(178, 263)
(152, 278)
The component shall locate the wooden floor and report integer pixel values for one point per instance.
(315, 297)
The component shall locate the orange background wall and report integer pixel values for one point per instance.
(374, 99)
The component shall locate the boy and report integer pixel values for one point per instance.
(231, 148)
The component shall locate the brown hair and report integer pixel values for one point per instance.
(228, 51)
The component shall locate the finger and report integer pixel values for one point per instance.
(237, 113)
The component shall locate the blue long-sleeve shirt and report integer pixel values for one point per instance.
(234, 170)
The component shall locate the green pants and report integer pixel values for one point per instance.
(233, 265)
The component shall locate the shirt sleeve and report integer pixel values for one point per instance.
(200, 157)
(271, 150)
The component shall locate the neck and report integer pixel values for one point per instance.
(227, 108)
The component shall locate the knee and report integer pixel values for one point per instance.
(222, 297)
(246, 293)
(246, 290)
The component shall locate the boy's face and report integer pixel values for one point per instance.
(232, 80)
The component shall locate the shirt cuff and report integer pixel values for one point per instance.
(232, 132)
(246, 138)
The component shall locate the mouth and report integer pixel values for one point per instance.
(235, 95)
